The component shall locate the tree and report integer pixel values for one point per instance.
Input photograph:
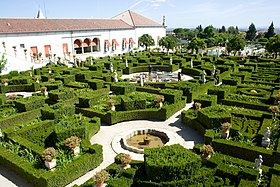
(197, 44)
(168, 42)
(3, 63)
(270, 32)
(236, 43)
(223, 29)
(209, 32)
(251, 33)
(273, 45)
(232, 30)
(179, 32)
(146, 40)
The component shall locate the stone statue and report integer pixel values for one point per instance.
(111, 68)
(141, 80)
(91, 63)
(213, 71)
(170, 61)
(115, 76)
(1, 134)
(203, 79)
(265, 138)
(179, 76)
(126, 63)
(191, 63)
(258, 163)
(150, 68)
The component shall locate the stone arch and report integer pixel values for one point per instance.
(78, 46)
(95, 44)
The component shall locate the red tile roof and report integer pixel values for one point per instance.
(136, 20)
(21, 25)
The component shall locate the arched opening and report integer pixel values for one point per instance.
(95, 45)
(78, 46)
(86, 45)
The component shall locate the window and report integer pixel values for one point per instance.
(124, 43)
(21, 46)
(107, 46)
(114, 44)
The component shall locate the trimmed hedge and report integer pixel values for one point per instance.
(170, 163)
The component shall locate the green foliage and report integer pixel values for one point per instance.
(168, 42)
(270, 31)
(170, 163)
(146, 40)
(236, 43)
(251, 32)
(3, 63)
(197, 44)
(273, 45)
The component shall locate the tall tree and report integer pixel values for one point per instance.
(146, 40)
(168, 42)
(197, 44)
(251, 33)
(236, 43)
(209, 32)
(223, 29)
(232, 30)
(270, 31)
(179, 32)
(273, 45)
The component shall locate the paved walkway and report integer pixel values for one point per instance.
(180, 133)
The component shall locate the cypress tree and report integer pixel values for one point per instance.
(270, 32)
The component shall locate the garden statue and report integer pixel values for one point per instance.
(141, 80)
(179, 76)
(126, 63)
(115, 76)
(203, 79)
(170, 61)
(1, 134)
(30, 73)
(150, 68)
(44, 91)
(265, 138)
(191, 63)
(258, 164)
(213, 71)
(225, 129)
(157, 78)
(111, 68)
(91, 63)
(120, 57)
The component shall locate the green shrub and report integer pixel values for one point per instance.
(29, 103)
(170, 163)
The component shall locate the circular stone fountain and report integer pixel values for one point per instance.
(137, 140)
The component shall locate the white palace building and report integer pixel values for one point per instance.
(38, 40)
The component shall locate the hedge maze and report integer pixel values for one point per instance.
(78, 99)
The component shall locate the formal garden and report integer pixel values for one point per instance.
(45, 138)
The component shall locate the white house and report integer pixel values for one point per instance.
(39, 39)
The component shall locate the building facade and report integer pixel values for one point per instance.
(42, 39)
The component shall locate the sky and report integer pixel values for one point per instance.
(178, 13)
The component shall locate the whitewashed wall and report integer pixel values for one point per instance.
(57, 39)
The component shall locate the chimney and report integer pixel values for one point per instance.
(163, 21)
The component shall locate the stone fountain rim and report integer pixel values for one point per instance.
(141, 132)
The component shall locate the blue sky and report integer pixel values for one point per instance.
(179, 13)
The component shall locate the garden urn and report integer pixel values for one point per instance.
(50, 164)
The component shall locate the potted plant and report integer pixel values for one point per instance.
(44, 91)
(207, 151)
(100, 177)
(225, 129)
(123, 159)
(159, 100)
(275, 110)
(111, 104)
(49, 70)
(49, 156)
(36, 79)
(197, 106)
(73, 143)
(4, 82)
